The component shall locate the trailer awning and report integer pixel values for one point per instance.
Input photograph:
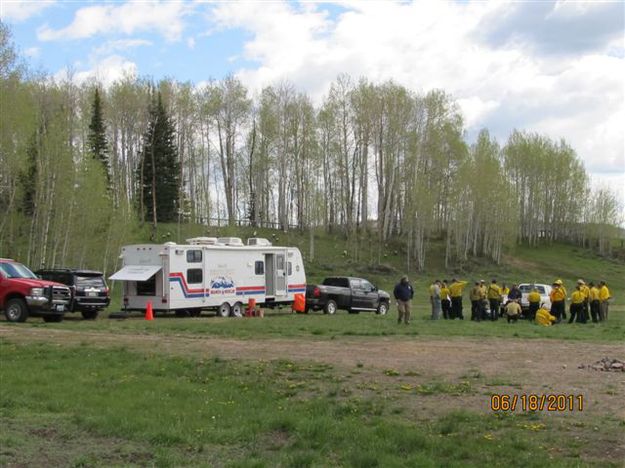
(135, 273)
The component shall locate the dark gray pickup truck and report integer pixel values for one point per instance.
(351, 294)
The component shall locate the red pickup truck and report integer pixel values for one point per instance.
(22, 294)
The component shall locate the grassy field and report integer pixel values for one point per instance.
(316, 325)
(317, 390)
(79, 406)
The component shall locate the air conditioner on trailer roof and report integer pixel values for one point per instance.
(202, 241)
(258, 241)
(232, 241)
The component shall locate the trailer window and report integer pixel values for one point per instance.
(289, 268)
(194, 256)
(194, 275)
(259, 268)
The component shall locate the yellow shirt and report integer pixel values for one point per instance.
(505, 291)
(455, 290)
(585, 291)
(475, 293)
(557, 294)
(494, 291)
(534, 296)
(444, 293)
(594, 293)
(512, 309)
(543, 317)
(577, 297)
(604, 293)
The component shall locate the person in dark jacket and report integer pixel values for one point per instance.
(515, 293)
(403, 293)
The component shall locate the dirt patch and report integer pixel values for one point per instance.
(410, 366)
(519, 263)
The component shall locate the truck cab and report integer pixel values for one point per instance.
(23, 294)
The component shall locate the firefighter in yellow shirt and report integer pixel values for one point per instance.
(604, 297)
(494, 299)
(544, 318)
(594, 302)
(445, 300)
(474, 296)
(586, 292)
(534, 302)
(558, 296)
(455, 292)
(577, 305)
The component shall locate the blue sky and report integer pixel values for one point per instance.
(552, 67)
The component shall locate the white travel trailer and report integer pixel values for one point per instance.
(210, 273)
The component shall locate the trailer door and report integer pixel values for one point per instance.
(280, 274)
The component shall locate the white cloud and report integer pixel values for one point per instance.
(191, 43)
(105, 71)
(32, 52)
(21, 10)
(165, 18)
(122, 45)
(426, 45)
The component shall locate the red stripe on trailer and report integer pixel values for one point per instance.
(184, 284)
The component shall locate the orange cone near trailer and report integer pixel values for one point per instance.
(149, 315)
(299, 303)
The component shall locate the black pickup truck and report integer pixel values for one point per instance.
(351, 294)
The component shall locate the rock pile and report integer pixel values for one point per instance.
(606, 364)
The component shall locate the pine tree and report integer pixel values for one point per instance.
(159, 170)
(96, 141)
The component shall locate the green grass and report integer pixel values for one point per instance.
(150, 409)
(318, 326)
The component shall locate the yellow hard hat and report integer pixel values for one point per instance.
(558, 282)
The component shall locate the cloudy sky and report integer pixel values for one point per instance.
(553, 67)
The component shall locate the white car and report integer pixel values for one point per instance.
(543, 289)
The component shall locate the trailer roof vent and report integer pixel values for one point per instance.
(232, 241)
(169, 244)
(258, 241)
(202, 241)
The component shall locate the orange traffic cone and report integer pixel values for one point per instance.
(149, 315)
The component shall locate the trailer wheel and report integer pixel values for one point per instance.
(330, 307)
(237, 309)
(382, 308)
(224, 310)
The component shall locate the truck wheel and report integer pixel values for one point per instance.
(16, 310)
(195, 312)
(382, 308)
(89, 314)
(53, 318)
(224, 310)
(330, 307)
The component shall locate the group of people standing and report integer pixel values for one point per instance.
(584, 299)
(492, 301)
(446, 299)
